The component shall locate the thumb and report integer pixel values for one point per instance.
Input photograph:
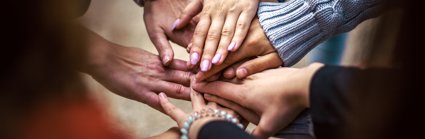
(258, 64)
(171, 110)
(191, 10)
(163, 46)
(267, 126)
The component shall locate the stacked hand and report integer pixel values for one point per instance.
(135, 73)
(159, 16)
(275, 96)
(198, 104)
(222, 27)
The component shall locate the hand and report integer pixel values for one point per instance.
(135, 73)
(257, 48)
(222, 27)
(198, 104)
(172, 133)
(277, 95)
(159, 16)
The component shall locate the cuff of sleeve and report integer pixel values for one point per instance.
(291, 28)
(141, 3)
(326, 105)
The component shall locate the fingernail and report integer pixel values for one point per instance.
(205, 65)
(166, 60)
(207, 95)
(231, 46)
(162, 95)
(216, 58)
(173, 27)
(242, 72)
(194, 58)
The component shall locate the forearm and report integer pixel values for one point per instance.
(222, 130)
(334, 89)
(96, 50)
(295, 27)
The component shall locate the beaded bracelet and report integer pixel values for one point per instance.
(207, 113)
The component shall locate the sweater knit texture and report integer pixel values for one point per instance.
(296, 26)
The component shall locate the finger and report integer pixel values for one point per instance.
(198, 39)
(178, 64)
(212, 105)
(230, 72)
(151, 99)
(245, 113)
(197, 99)
(276, 119)
(190, 11)
(189, 47)
(226, 36)
(211, 43)
(213, 78)
(177, 76)
(230, 91)
(230, 60)
(171, 110)
(242, 27)
(163, 46)
(258, 64)
(173, 90)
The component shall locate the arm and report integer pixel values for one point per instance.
(295, 27)
(332, 97)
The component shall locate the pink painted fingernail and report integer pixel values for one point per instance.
(173, 27)
(216, 58)
(205, 65)
(194, 58)
(231, 46)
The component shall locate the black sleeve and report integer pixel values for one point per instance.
(222, 130)
(334, 89)
(83, 6)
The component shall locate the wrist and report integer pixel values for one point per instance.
(198, 124)
(97, 52)
(194, 123)
(308, 73)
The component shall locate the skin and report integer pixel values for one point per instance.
(135, 73)
(276, 96)
(222, 27)
(159, 16)
(256, 54)
(198, 103)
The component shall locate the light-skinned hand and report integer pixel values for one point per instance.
(256, 51)
(198, 103)
(223, 26)
(276, 95)
(135, 73)
(159, 16)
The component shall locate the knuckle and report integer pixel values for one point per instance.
(178, 89)
(199, 33)
(241, 26)
(212, 35)
(232, 10)
(227, 32)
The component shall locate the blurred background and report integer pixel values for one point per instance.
(121, 21)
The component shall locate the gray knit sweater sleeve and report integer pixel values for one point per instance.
(297, 26)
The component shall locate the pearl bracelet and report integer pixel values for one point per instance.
(207, 113)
